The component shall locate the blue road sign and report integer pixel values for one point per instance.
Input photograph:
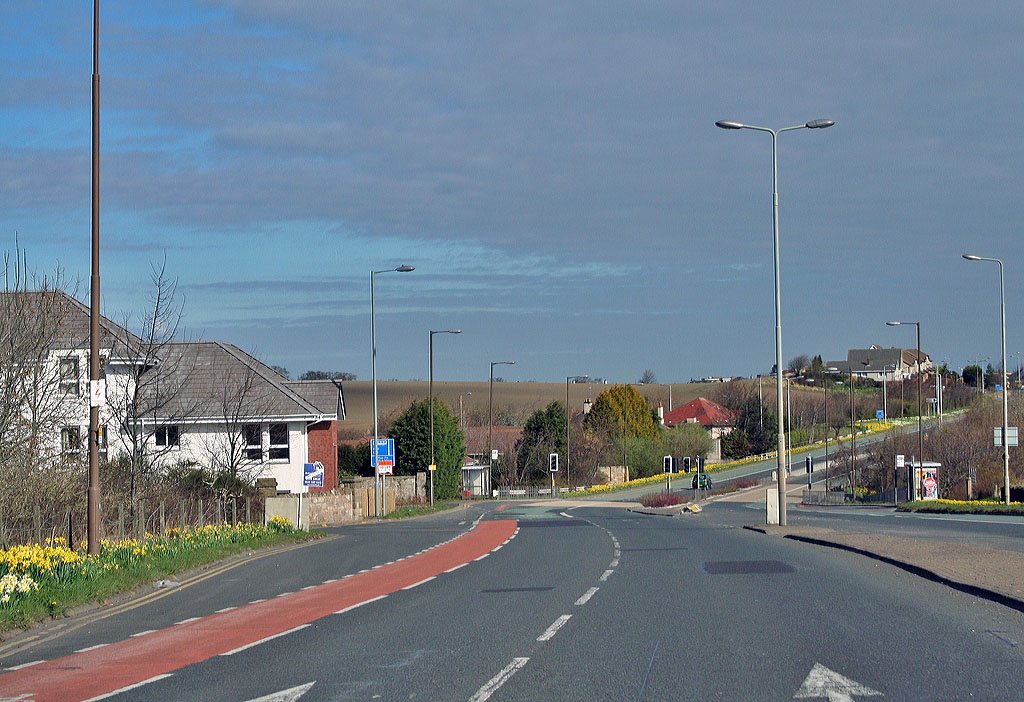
(879, 414)
(383, 451)
(313, 474)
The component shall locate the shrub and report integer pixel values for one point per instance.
(661, 499)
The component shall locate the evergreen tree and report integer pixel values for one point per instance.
(411, 432)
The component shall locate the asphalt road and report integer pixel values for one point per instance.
(586, 603)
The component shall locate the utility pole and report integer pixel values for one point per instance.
(93, 516)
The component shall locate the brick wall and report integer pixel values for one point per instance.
(323, 447)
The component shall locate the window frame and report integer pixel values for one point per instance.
(279, 451)
(252, 451)
(69, 371)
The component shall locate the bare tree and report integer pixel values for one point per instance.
(147, 399)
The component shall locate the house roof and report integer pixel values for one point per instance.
(877, 359)
(503, 438)
(218, 381)
(702, 411)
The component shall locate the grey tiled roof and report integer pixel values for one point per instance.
(215, 380)
(75, 325)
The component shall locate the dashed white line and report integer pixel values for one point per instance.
(553, 629)
(604, 575)
(142, 633)
(332, 580)
(492, 685)
(567, 516)
(93, 648)
(129, 687)
(262, 599)
(586, 596)
(480, 558)
(225, 609)
(614, 564)
(425, 580)
(309, 587)
(455, 568)
(25, 665)
(356, 606)
(193, 619)
(264, 640)
(285, 593)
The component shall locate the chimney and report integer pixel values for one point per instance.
(661, 414)
(587, 404)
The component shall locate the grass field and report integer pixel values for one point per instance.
(521, 398)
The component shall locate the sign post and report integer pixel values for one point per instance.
(383, 459)
(901, 462)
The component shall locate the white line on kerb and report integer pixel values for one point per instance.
(604, 575)
(26, 665)
(425, 580)
(350, 608)
(129, 687)
(498, 680)
(553, 629)
(587, 595)
(263, 640)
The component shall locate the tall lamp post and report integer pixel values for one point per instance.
(815, 124)
(568, 415)
(920, 429)
(1002, 319)
(432, 468)
(377, 494)
(828, 380)
(93, 514)
(490, 414)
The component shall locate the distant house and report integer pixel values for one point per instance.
(718, 420)
(876, 361)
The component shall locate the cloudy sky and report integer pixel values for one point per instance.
(552, 170)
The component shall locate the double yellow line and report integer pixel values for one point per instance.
(28, 642)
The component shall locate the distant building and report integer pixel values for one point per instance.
(876, 361)
(718, 420)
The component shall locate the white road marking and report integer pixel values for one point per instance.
(567, 516)
(480, 558)
(614, 564)
(309, 587)
(225, 609)
(142, 633)
(455, 568)
(425, 580)
(822, 682)
(289, 695)
(617, 553)
(586, 596)
(332, 580)
(553, 629)
(186, 621)
(25, 665)
(91, 648)
(262, 599)
(485, 692)
(462, 522)
(604, 575)
(129, 687)
(356, 606)
(264, 640)
(284, 594)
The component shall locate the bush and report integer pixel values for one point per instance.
(662, 499)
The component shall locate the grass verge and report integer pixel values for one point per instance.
(41, 581)
(963, 507)
(418, 510)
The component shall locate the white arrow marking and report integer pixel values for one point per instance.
(822, 682)
(289, 695)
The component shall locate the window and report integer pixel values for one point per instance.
(69, 375)
(70, 441)
(253, 436)
(279, 442)
(168, 436)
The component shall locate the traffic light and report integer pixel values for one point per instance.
(700, 464)
(686, 464)
(553, 462)
(668, 463)
(809, 464)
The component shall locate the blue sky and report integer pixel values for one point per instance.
(551, 169)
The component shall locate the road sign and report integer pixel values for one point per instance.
(432, 467)
(879, 414)
(901, 460)
(313, 474)
(1011, 436)
(385, 466)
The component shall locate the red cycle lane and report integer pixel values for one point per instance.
(96, 672)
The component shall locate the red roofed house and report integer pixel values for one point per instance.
(718, 420)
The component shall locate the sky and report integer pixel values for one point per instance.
(552, 170)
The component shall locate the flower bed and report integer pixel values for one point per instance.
(963, 507)
(46, 579)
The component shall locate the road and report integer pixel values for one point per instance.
(554, 601)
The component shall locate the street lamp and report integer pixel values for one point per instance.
(490, 410)
(377, 496)
(568, 414)
(815, 124)
(828, 379)
(920, 430)
(1002, 318)
(432, 468)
